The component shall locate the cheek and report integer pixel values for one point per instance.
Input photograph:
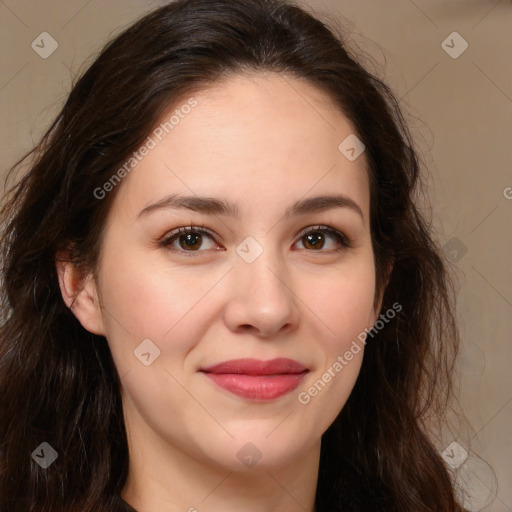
(143, 302)
(343, 301)
(345, 306)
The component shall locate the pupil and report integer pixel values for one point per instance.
(312, 236)
(191, 237)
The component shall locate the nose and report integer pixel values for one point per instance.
(263, 301)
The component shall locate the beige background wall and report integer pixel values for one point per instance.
(460, 110)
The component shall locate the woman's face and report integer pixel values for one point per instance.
(255, 285)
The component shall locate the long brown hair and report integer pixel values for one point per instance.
(58, 382)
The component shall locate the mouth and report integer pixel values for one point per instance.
(257, 380)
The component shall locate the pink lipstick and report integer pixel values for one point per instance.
(255, 379)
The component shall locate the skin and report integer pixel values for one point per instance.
(263, 142)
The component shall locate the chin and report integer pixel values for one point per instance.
(258, 450)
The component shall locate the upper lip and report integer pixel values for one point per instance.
(247, 366)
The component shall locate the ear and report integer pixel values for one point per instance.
(378, 302)
(80, 294)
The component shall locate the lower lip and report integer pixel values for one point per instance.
(257, 387)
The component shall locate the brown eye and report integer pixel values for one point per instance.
(315, 239)
(188, 239)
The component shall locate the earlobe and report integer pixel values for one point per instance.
(80, 294)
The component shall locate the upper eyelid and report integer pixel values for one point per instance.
(320, 227)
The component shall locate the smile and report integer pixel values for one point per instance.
(257, 380)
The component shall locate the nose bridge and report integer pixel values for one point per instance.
(263, 297)
(260, 267)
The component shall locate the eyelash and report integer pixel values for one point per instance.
(340, 237)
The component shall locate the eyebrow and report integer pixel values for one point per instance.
(213, 206)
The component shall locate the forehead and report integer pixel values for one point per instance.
(252, 138)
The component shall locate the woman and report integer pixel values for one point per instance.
(218, 291)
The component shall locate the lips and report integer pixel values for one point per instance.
(257, 380)
(257, 367)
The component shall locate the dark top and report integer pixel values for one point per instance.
(350, 497)
(123, 506)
